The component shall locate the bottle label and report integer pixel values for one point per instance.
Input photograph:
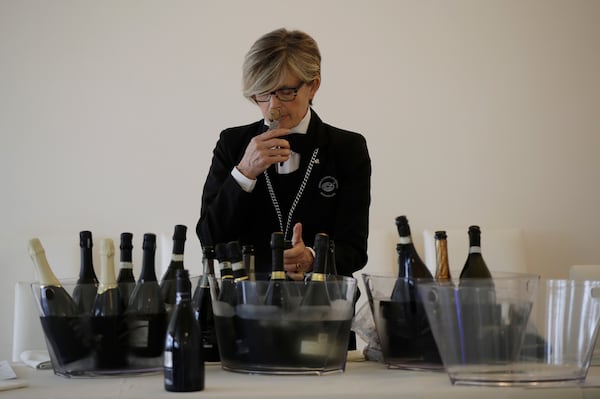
(237, 266)
(405, 240)
(138, 336)
(278, 275)
(315, 348)
(474, 250)
(168, 359)
(317, 277)
(177, 257)
(126, 265)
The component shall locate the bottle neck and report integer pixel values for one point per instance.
(86, 271)
(46, 276)
(178, 247)
(108, 279)
(148, 272)
(126, 256)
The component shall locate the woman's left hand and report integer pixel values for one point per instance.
(298, 259)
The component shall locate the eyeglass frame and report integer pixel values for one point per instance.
(274, 93)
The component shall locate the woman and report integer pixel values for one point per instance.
(289, 172)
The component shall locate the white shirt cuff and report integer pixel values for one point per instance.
(246, 184)
(312, 251)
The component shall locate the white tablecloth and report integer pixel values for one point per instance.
(362, 379)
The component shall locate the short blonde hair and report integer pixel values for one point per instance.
(275, 54)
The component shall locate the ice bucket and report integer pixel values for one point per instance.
(518, 331)
(255, 337)
(78, 349)
(401, 323)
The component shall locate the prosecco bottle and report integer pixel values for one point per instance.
(202, 305)
(168, 282)
(126, 280)
(410, 265)
(335, 291)
(146, 314)
(84, 292)
(475, 271)
(234, 251)
(404, 317)
(107, 322)
(442, 266)
(183, 355)
(59, 313)
(227, 291)
(278, 292)
(478, 299)
(316, 292)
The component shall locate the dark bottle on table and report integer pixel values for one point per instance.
(168, 282)
(202, 305)
(126, 280)
(59, 313)
(84, 292)
(183, 354)
(227, 291)
(442, 265)
(145, 314)
(410, 265)
(249, 259)
(278, 291)
(110, 343)
(316, 291)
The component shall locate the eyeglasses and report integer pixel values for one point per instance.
(285, 94)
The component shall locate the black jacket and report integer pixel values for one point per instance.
(335, 200)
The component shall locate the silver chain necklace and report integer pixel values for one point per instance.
(296, 200)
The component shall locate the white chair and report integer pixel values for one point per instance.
(502, 249)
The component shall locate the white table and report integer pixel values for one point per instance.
(362, 379)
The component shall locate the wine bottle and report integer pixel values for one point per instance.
(278, 292)
(249, 260)
(475, 266)
(168, 281)
(442, 266)
(202, 305)
(59, 313)
(183, 355)
(84, 292)
(234, 251)
(316, 292)
(227, 291)
(126, 280)
(146, 314)
(410, 265)
(107, 314)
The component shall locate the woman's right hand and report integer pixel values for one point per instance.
(263, 151)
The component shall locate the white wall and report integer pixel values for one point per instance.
(483, 112)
